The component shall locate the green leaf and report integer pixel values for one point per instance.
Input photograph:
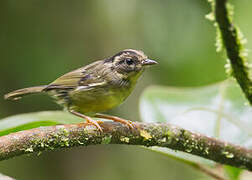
(232, 172)
(219, 110)
(32, 120)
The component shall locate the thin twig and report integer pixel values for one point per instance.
(147, 134)
(233, 47)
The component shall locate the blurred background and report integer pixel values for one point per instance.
(41, 40)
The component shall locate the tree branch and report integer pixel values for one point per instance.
(147, 134)
(234, 47)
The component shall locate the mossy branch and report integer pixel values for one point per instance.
(146, 134)
(234, 48)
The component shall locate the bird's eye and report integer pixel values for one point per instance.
(129, 61)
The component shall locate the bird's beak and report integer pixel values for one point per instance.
(147, 62)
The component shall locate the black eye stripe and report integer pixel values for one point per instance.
(128, 61)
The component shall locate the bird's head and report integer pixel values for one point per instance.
(129, 62)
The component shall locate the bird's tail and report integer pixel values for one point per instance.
(18, 94)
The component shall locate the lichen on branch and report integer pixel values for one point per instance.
(146, 134)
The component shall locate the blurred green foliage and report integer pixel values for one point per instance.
(41, 40)
(220, 110)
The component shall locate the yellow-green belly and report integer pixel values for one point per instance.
(98, 99)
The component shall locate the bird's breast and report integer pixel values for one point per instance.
(99, 99)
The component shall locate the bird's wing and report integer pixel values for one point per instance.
(85, 76)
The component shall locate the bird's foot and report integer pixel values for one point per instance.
(94, 122)
(89, 119)
(128, 123)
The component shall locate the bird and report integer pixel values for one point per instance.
(95, 88)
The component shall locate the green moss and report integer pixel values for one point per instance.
(64, 141)
(30, 149)
(124, 139)
(106, 139)
(206, 150)
(188, 149)
(60, 139)
(168, 133)
(42, 145)
(227, 154)
(145, 135)
(79, 142)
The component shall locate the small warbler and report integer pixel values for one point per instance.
(96, 87)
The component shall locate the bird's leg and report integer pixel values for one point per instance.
(116, 119)
(89, 120)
